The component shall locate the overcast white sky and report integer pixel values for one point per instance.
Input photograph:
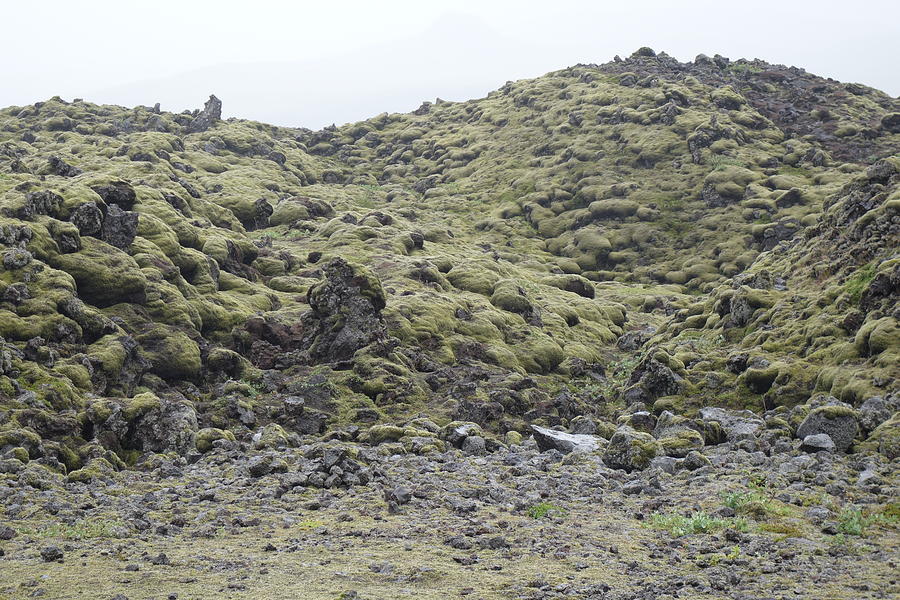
(309, 64)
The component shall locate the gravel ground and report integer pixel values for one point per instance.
(514, 523)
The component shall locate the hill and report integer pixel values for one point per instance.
(716, 233)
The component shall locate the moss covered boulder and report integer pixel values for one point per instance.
(837, 420)
(630, 450)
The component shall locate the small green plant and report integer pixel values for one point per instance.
(753, 503)
(891, 512)
(545, 509)
(853, 521)
(857, 283)
(697, 522)
(616, 377)
(253, 387)
(719, 162)
(718, 557)
(310, 524)
(736, 500)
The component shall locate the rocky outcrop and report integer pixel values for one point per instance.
(650, 380)
(145, 423)
(346, 312)
(209, 116)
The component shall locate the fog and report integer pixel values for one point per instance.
(311, 64)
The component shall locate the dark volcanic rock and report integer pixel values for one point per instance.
(119, 193)
(211, 113)
(630, 450)
(61, 168)
(650, 380)
(88, 218)
(891, 122)
(16, 258)
(119, 227)
(817, 443)
(346, 312)
(40, 203)
(836, 420)
(51, 553)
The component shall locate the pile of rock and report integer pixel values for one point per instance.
(333, 467)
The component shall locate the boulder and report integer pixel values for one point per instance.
(548, 439)
(817, 443)
(876, 410)
(838, 421)
(119, 227)
(40, 203)
(680, 442)
(695, 460)
(51, 553)
(474, 444)
(891, 122)
(737, 425)
(630, 450)
(885, 439)
(16, 258)
(650, 380)
(88, 218)
(584, 425)
(146, 423)
(457, 432)
(259, 466)
(59, 167)
(118, 192)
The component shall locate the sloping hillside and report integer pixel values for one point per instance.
(503, 260)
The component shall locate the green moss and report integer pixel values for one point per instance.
(97, 468)
(379, 434)
(681, 443)
(832, 412)
(859, 280)
(630, 450)
(727, 97)
(21, 438)
(140, 405)
(206, 437)
(885, 439)
(613, 208)
(172, 353)
(476, 278)
(538, 353)
(271, 436)
(104, 274)
(20, 454)
(760, 380)
(509, 295)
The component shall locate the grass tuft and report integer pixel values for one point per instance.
(545, 509)
(696, 522)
